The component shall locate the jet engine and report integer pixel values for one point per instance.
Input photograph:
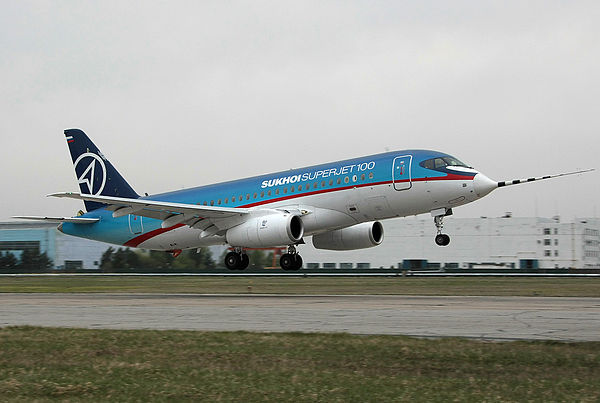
(267, 231)
(359, 236)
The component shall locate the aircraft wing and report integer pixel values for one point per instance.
(76, 220)
(194, 215)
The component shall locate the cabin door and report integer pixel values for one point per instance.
(401, 172)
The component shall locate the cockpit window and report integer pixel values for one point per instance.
(442, 162)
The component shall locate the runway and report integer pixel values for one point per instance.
(487, 318)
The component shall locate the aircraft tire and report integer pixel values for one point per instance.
(290, 261)
(442, 240)
(297, 263)
(244, 262)
(287, 261)
(233, 260)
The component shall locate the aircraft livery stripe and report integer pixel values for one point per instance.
(296, 195)
(134, 242)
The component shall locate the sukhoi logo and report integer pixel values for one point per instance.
(91, 172)
(324, 173)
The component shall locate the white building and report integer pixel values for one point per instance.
(66, 252)
(509, 242)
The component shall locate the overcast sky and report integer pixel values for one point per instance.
(179, 94)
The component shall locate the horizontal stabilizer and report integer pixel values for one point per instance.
(74, 220)
(518, 181)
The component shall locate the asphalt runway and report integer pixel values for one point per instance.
(487, 318)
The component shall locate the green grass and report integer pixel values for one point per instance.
(518, 286)
(45, 364)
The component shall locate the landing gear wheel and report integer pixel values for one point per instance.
(245, 261)
(233, 260)
(297, 263)
(442, 239)
(287, 261)
(290, 261)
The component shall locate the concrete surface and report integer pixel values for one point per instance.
(493, 318)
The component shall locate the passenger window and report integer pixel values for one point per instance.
(262, 194)
(276, 191)
(233, 199)
(255, 195)
(219, 202)
(354, 178)
(316, 185)
(346, 179)
(299, 188)
(330, 182)
(205, 203)
(370, 175)
(226, 200)
(247, 196)
(292, 188)
(339, 180)
(362, 177)
(323, 184)
(284, 190)
(269, 193)
(212, 202)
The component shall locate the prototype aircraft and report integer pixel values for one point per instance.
(339, 204)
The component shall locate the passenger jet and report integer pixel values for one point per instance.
(338, 204)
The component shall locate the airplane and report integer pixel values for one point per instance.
(339, 204)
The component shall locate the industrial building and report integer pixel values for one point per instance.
(66, 252)
(506, 242)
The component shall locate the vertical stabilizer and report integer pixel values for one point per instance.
(94, 173)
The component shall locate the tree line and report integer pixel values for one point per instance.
(30, 261)
(128, 260)
(125, 259)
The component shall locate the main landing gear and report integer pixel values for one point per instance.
(237, 260)
(291, 261)
(440, 239)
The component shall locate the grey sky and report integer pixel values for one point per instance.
(179, 94)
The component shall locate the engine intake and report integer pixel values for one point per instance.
(359, 236)
(267, 231)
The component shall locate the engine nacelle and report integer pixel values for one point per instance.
(267, 231)
(359, 236)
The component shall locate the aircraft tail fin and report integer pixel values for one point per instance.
(94, 173)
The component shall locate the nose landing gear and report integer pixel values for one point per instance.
(441, 239)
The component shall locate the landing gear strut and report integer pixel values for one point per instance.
(291, 261)
(237, 260)
(440, 239)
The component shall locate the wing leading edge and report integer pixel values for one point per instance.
(193, 215)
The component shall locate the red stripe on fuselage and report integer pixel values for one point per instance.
(134, 242)
(315, 192)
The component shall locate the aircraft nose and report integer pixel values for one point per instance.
(483, 185)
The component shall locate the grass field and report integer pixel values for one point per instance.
(44, 364)
(518, 286)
